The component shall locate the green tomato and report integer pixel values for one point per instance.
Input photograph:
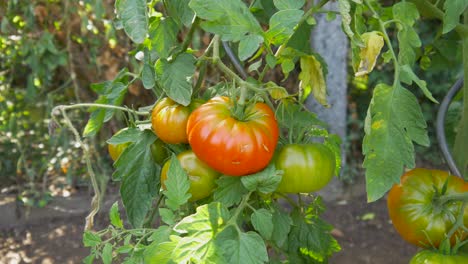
(435, 257)
(202, 177)
(306, 168)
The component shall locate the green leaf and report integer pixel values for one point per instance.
(394, 119)
(163, 34)
(106, 254)
(167, 216)
(175, 77)
(248, 45)
(161, 253)
(408, 76)
(95, 123)
(208, 218)
(180, 11)
(242, 248)
(161, 234)
(124, 249)
(262, 221)
(310, 239)
(265, 181)
(346, 19)
(114, 216)
(133, 14)
(140, 178)
(333, 142)
(300, 39)
(270, 60)
(232, 20)
(147, 76)
(130, 134)
(313, 79)
(288, 4)
(281, 227)
(282, 25)
(229, 191)
(405, 12)
(91, 239)
(177, 185)
(453, 10)
(201, 228)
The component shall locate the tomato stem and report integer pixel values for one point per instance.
(453, 197)
(239, 209)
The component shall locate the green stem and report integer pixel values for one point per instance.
(453, 197)
(189, 36)
(58, 108)
(240, 208)
(387, 41)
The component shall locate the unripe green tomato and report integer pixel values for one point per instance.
(202, 177)
(434, 257)
(306, 167)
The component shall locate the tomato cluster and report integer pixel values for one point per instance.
(222, 141)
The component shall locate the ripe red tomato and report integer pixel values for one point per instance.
(231, 146)
(202, 177)
(306, 168)
(169, 120)
(418, 215)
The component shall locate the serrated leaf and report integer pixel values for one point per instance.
(91, 239)
(167, 216)
(180, 10)
(394, 119)
(177, 185)
(161, 234)
(232, 20)
(281, 227)
(161, 253)
(262, 221)
(405, 12)
(133, 14)
(310, 239)
(114, 216)
(346, 19)
(147, 76)
(453, 10)
(265, 181)
(95, 123)
(312, 78)
(288, 4)
(242, 248)
(208, 218)
(163, 34)
(282, 25)
(106, 254)
(408, 77)
(229, 191)
(175, 77)
(374, 43)
(140, 177)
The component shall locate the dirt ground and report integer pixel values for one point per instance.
(363, 231)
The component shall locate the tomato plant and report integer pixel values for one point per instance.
(116, 149)
(202, 177)
(181, 54)
(306, 167)
(434, 257)
(421, 209)
(233, 145)
(169, 120)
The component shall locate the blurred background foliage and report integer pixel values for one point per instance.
(52, 50)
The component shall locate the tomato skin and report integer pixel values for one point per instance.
(159, 152)
(230, 146)
(414, 214)
(306, 167)
(116, 149)
(434, 257)
(169, 120)
(202, 177)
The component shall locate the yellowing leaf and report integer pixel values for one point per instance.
(312, 78)
(373, 45)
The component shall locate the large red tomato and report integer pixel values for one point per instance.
(169, 120)
(417, 210)
(231, 146)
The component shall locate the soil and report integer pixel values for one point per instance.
(363, 231)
